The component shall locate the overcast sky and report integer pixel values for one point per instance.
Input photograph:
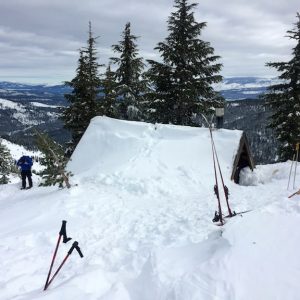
(39, 39)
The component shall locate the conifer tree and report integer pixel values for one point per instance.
(182, 82)
(53, 160)
(85, 86)
(130, 85)
(284, 99)
(6, 162)
(108, 105)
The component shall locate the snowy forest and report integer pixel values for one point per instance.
(178, 88)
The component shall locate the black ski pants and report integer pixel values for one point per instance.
(26, 174)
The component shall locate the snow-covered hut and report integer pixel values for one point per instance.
(141, 153)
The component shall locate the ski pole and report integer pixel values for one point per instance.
(52, 262)
(296, 193)
(291, 171)
(216, 187)
(225, 188)
(74, 246)
(62, 233)
(296, 161)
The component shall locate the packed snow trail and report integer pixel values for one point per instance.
(146, 232)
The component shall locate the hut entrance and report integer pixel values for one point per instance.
(243, 159)
(242, 163)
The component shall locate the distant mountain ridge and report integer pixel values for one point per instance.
(24, 106)
(49, 94)
(238, 88)
(234, 88)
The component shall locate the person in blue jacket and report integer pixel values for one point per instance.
(25, 163)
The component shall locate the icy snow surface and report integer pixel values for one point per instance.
(38, 104)
(10, 104)
(141, 212)
(20, 114)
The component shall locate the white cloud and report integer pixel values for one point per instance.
(40, 39)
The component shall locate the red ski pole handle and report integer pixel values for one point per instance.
(74, 246)
(62, 233)
(52, 262)
(54, 275)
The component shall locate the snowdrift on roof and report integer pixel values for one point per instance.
(144, 151)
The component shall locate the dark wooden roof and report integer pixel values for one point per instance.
(242, 159)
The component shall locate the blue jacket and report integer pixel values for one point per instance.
(25, 162)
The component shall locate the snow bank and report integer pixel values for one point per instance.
(142, 156)
(142, 212)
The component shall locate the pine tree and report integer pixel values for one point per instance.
(6, 163)
(130, 85)
(53, 160)
(75, 116)
(85, 86)
(108, 105)
(284, 99)
(182, 82)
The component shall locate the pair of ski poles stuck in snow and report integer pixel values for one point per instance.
(218, 217)
(62, 234)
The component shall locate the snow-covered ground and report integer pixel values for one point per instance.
(11, 104)
(16, 152)
(141, 212)
(21, 112)
(38, 104)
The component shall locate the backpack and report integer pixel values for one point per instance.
(27, 160)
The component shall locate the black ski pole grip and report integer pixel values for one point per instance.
(226, 191)
(63, 228)
(216, 190)
(79, 252)
(63, 232)
(75, 246)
